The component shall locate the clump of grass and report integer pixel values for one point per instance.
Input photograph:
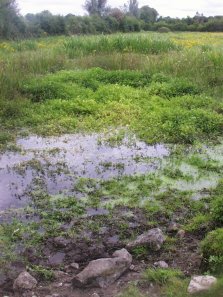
(42, 273)
(161, 276)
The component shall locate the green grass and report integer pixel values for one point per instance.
(157, 108)
(143, 44)
(161, 276)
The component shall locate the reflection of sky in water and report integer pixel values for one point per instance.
(63, 159)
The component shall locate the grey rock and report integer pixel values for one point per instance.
(153, 238)
(181, 234)
(105, 271)
(201, 283)
(24, 281)
(95, 295)
(173, 227)
(161, 264)
(61, 242)
(74, 266)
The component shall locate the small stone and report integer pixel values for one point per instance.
(75, 266)
(59, 274)
(201, 283)
(58, 285)
(173, 227)
(153, 238)
(61, 242)
(181, 234)
(95, 295)
(161, 264)
(24, 281)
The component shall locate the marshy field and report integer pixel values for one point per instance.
(103, 138)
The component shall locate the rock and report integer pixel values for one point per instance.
(95, 295)
(201, 283)
(161, 264)
(24, 281)
(173, 227)
(57, 259)
(61, 242)
(59, 274)
(74, 266)
(154, 238)
(181, 233)
(105, 271)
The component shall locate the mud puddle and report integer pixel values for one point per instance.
(59, 161)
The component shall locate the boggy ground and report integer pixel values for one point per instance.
(144, 150)
(117, 190)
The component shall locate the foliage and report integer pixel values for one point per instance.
(212, 250)
(95, 6)
(11, 24)
(163, 30)
(148, 14)
(217, 210)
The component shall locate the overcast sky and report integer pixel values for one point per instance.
(173, 8)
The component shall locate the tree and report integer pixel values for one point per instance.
(11, 24)
(148, 14)
(95, 7)
(133, 8)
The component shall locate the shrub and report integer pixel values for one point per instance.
(164, 30)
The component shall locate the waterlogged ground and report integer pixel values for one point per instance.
(60, 161)
(117, 142)
(59, 197)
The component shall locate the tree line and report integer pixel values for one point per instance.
(100, 18)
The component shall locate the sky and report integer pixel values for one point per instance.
(173, 8)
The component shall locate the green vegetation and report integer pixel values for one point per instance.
(212, 249)
(161, 276)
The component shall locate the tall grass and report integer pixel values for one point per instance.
(143, 44)
(151, 52)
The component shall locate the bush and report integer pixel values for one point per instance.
(212, 249)
(164, 30)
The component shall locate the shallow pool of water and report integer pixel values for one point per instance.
(59, 161)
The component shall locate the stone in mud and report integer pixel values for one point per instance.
(161, 264)
(201, 283)
(173, 227)
(24, 281)
(153, 238)
(181, 234)
(61, 242)
(105, 271)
